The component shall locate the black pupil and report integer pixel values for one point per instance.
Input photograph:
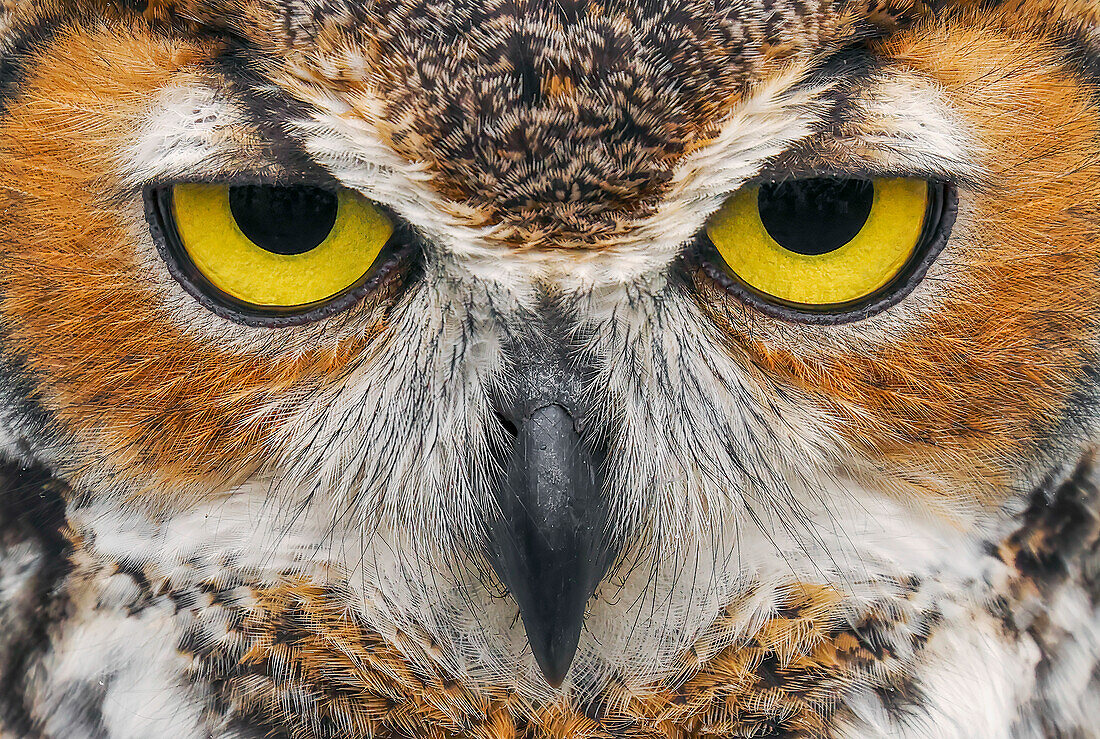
(283, 220)
(815, 216)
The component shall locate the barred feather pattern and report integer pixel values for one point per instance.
(885, 528)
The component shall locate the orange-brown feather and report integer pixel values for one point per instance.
(299, 638)
(980, 378)
(142, 395)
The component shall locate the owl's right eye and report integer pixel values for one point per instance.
(269, 254)
(827, 249)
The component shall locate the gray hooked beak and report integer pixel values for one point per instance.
(550, 547)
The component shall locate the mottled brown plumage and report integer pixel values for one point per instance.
(863, 524)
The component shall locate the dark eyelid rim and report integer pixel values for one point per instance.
(939, 222)
(396, 254)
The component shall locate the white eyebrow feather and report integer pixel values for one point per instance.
(906, 126)
(190, 132)
(343, 138)
(903, 122)
(899, 122)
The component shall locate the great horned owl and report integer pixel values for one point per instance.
(530, 369)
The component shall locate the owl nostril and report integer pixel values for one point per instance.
(507, 424)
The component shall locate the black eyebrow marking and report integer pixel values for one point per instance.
(269, 109)
(17, 58)
(1082, 54)
(840, 76)
(843, 72)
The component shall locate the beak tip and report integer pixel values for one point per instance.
(555, 660)
(553, 681)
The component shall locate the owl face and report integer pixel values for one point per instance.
(545, 355)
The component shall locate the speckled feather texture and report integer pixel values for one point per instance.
(887, 528)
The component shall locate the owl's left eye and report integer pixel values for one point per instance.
(827, 249)
(264, 254)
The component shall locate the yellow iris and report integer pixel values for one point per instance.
(236, 265)
(853, 270)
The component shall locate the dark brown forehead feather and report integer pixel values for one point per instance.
(301, 20)
(566, 121)
(559, 122)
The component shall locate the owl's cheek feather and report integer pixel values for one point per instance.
(957, 397)
(160, 407)
(1005, 328)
